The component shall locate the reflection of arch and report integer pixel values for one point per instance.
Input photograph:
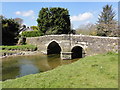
(53, 60)
(53, 48)
(77, 52)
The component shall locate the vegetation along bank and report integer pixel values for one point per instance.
(17, 50)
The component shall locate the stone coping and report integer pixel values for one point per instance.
(77, 36)
(66, 52)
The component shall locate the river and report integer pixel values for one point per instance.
(14, 67)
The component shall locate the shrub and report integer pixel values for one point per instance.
(31, 33)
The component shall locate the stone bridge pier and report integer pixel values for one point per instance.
(71, 50)
(74, 46)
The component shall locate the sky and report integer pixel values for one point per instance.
(80, 13)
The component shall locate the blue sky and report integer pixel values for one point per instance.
(80, 12)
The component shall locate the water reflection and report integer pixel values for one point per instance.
(53, 60)
(14, 67)
(27, 67)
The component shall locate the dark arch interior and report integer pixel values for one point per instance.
(53, 48)
(77, 52)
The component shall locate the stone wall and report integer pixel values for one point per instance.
(90, 44)
(95, 44)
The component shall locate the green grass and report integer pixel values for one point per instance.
(19, 47)
(100, 71)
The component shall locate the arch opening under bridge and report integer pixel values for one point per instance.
(77, 52)
(53, 48)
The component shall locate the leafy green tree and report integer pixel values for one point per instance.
(43, 20)
(54, 20)
(106, 22)
(9, 31)
(1, 17)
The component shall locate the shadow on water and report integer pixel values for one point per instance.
(14, 67)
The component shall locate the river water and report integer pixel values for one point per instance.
(14, 67)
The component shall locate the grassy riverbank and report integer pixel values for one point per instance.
(11, 50)
(19, 47)
(100, 71)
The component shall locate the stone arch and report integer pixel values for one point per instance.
(53, 48)
(77, 52)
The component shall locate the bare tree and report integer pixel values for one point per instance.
(19, 21)
(87, 29)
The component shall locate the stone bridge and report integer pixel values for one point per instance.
(74, 46)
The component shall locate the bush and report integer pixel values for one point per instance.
(31, 33)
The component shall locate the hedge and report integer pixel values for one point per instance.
(31, 33)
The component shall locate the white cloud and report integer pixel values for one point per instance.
(18, 13)
(82, 17)
(25, 13)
